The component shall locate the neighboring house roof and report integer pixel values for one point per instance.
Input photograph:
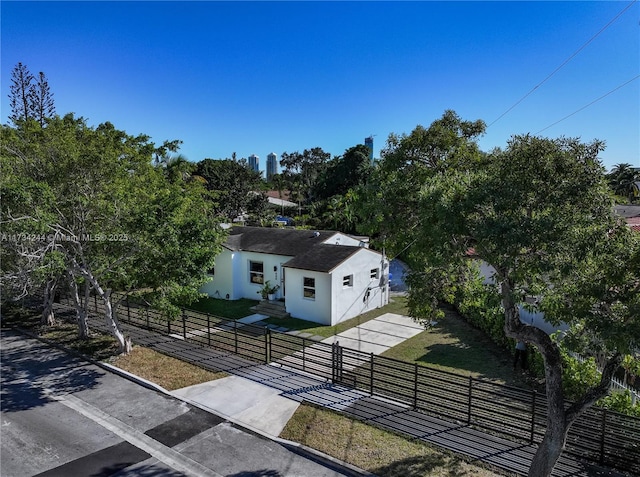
(631, 214)
(634, 223)
(281, 202)
(324, 257)
(627, 211)
(284, 194)
(276, 241)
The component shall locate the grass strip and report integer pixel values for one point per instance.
(168, 372)
(376, 450)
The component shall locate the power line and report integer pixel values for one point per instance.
(563, 63)
(592, 102)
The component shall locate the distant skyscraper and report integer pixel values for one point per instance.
(272, 165)
(368, 141)
(254, 162)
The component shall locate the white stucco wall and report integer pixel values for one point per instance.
(246, 289)
(351, 301)
(343, 239)
(232, 275)
(536, 318)
(317, 310)
(221, 283)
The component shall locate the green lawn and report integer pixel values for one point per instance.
(396, 305)
(232, 309)
(454, 345)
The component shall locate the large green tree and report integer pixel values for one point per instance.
(301, 171)
(345, 172)
(540, 214)
(388, 202)
(233, 186)
(91, 200)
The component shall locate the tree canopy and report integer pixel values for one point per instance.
(89, 204)
(235, 188)
(539, 213)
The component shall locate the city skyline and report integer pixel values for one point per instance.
(329, 74)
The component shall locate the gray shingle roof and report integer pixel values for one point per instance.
(304, 246)
(288, 242)
(323, 257)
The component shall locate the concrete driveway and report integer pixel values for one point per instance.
(267, 407)
(378, 335)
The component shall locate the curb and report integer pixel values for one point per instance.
(300, 449)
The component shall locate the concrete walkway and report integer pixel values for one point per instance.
(378, 335)
(269, 409)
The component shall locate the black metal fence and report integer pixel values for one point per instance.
(598, 435)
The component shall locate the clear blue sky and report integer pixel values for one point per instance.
(285, 76)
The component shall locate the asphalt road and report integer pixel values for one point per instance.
(62, 416)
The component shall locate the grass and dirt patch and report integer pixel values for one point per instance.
(168, 372)
(165, 371)
(381, 452)
(455, 346)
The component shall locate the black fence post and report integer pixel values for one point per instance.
(371, 374)
(415, 385)
(304, 354)
(602, 433)
(208, 329)
(266, 345)
(270, 340)
(184, 325)
(333, 362)
(533, 416)
(169, 326)
(95, 303)
(470, 394)
(340, 362)
(235, 336)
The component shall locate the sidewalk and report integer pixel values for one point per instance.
(264, 396)
(63, 416)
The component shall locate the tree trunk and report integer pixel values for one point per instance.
(124, 345)
(552, 444)
(557, 425)
(559, 419)
(81, 309)
(48, 317)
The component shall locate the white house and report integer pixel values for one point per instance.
(533, 318)
(325, 277)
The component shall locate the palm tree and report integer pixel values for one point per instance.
(621, 177)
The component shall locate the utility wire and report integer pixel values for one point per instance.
(563, 64)
(592, 102)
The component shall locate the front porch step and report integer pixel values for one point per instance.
(275, 309)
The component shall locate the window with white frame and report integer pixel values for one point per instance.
(256, 272)
(374, 274)
(347, 281)
(309, 288)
